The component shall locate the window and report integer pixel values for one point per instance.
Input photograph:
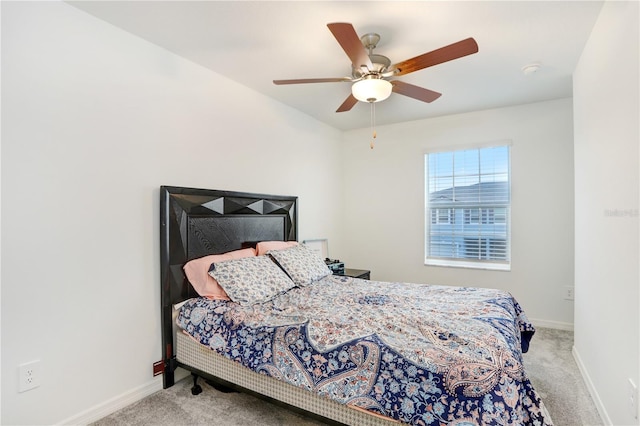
(442, 216)
(484, 216)
(468, 205)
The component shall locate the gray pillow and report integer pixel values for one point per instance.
(302, 264)
(251, 280)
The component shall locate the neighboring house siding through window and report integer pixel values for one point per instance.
(468, 208)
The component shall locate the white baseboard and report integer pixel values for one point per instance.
(592, 390)
(558, 325)
(114, 404)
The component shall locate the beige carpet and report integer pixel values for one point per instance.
(555, 376)
(549, 363)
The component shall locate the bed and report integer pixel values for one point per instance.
(345, 350)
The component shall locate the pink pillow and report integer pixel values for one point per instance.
(264, 246)
(197, 271)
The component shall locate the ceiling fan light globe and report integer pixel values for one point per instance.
(371, 90)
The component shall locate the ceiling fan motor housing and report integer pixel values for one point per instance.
(380, 63)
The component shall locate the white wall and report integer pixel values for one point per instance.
(607, 188)
(384, 202)
(94, 121)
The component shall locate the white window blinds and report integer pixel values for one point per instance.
(468, 207)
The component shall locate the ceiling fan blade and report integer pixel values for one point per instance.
(444, 54)
(415, 92)
(351, 44)
(347, 104)
(312, 80)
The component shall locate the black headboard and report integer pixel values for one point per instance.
(198, 222)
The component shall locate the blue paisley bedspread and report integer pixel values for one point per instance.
(420, 354)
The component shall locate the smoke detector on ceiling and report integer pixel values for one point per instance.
(530, 68)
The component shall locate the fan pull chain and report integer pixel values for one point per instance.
(373, 124)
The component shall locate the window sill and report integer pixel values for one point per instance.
(450, 263)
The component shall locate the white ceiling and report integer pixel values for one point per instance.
(255, 42)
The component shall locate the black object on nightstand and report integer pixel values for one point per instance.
(338, 268)
(335, 265)
(357, 273)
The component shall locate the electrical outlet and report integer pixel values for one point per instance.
(633, 398)
(568, 293)
(28, 376)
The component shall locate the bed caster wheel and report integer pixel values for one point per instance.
(196, 390)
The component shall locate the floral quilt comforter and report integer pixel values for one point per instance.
(420, 354)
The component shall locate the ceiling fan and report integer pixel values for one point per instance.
(371, 72)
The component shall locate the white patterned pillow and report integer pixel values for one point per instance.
(251, 280)
(302, 264)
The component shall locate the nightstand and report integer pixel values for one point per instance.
(357, 273)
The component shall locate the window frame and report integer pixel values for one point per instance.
(504, 214)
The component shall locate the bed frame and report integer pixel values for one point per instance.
(199, 222)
